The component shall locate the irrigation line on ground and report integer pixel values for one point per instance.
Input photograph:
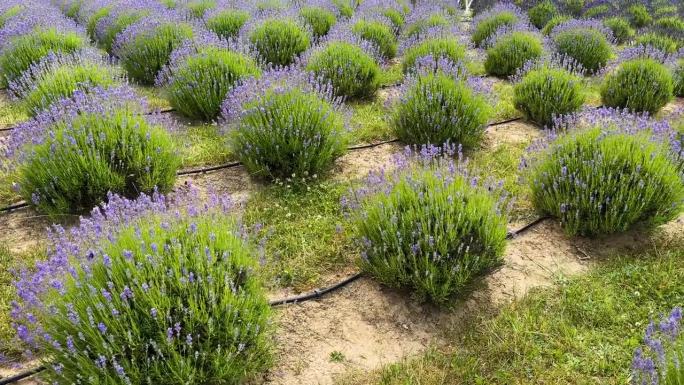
(202, 170)
(316, 294)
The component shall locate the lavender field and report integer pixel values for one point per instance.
(341, 192)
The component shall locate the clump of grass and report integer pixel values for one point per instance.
(306, 239)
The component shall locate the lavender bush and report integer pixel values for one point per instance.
(511, 51)
(23, 51)
(58, 76)
(198, 8)
(679, 79)
(620, 28)
(226, 23)
(586, 41)
(658, 362)
(352, 72)
(641, 84)
(69, 157)
(319, 19)
(378, 33)
(285, 125)
(438, 106)
(125, 14)
(279, 41)
(148, 291)
(542, 13)
(607, 172)
(429, 225)
(200, 75)
(639, 15)
(661, 42)
(146, 46)
(448, 48)
(500, 16)
(553, 23)
(546, 92)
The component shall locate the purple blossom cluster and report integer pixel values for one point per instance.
(278, 80)
(574, 24)
(659, 360)
(558, 61)
(42, 127)
(26, 83)
(32, 14)
(501, 7)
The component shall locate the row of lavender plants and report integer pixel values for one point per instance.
(166, 290)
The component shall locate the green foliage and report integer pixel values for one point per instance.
(200, 84)
(679, 79)
(574, 7)
(319, 19)
(379, 34)
(553, 23)
(581, 330)
(542, 13)
(280, 41)
(420, 26)
(9, 13)
(639, 15)
(123, 21)
(659, 42)
(587, 46)
(622, 31)
(437, 109)
(638, 85)
(596, 11)
(437, 47)
(430, 234)
(547, 92)
(63, 81)
(665, 11)
(198, 8)
(227, 23)
(91, 23)
(486, 27)
(671, 26)
(395, 16)
(145, 55)
(600, 182)
(28, 49)
(306, 239)
(196, 298)
(345, 7)
(292, 134)
(511, 52)
(352, 72)
(73, 170)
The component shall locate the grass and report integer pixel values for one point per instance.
(306, 238)
(501, 163)
(504, 108)
(9, 262)
(581, 331)
(11, 112)
(156, 99)
(201, 144)
(391, 75)
(370, 122)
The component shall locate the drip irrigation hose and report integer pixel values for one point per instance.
(16, 206)
(316, 294)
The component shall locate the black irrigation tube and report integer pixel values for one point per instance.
(316, 294)
(21, 205)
